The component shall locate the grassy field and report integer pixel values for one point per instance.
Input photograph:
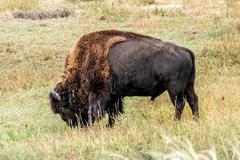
(32, 55)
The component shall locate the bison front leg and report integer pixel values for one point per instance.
(97, 107)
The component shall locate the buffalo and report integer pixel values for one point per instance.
(106, 66)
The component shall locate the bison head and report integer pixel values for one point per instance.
(77, 108)
(63, 102)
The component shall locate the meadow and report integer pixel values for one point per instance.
(32, 56)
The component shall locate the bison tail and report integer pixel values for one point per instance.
(193, 72)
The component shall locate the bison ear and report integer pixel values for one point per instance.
(55, 95)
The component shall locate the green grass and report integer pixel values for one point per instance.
(32, 55)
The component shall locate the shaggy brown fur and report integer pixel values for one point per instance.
(87, 68)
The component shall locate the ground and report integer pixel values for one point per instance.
(32, 55)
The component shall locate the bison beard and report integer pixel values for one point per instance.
(96, 80)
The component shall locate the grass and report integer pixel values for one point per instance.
(18, 5)
(32, 57)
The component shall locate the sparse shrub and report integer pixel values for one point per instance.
(36, 15)
(160, 12)
(146, 2)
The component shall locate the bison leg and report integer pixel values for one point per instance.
(115, 108)
(176, 92)
(192, 100)
(179, 102)
(97, 107)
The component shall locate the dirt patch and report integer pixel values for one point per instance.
(38, 15)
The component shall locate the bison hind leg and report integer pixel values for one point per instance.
(114, 109)
(176, 93)
(179, 103)
(192, 100)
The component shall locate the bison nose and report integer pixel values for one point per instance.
(55, 95)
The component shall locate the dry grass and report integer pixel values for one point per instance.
(232, 7)
(32, 57)
(18, 5)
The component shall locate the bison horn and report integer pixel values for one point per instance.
(55, 95)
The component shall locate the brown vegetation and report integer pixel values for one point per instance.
(38, 15)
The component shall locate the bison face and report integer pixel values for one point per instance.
(61, 104)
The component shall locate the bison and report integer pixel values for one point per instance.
(105, 66)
